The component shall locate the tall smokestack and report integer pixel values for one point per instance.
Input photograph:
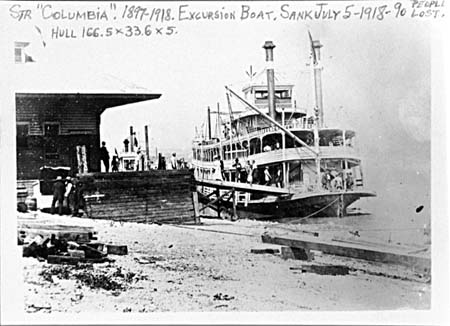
(269, 46)
(318, 80)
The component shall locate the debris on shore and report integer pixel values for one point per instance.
(221, 266)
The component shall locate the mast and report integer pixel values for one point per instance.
(219, 131)
(209, 123)
(231, 125)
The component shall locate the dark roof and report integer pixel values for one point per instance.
(101, 101)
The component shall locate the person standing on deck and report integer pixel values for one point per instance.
(238, 167)
(173, 161)
(249, 168)
(104, 156)
(139, 160)
(222, 169)
(217, 174)
(349, 181)
(267, 176)
(115, 164)
(244, 174)
(278, 179)
(255, 175)
(59, 188)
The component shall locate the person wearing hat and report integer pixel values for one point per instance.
(59, 188)
(104, 156)
(68, 192)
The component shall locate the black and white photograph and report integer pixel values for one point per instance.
(224, 162)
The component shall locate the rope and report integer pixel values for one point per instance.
(217, 231)
(318, 211)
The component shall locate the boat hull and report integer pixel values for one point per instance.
(310, 205)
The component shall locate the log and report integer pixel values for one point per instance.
(323, 269)
(393, 256)
(265, 251)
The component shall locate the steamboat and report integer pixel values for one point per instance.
(281, 162)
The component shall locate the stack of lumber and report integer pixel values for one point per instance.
(146, 197)
(80, 234)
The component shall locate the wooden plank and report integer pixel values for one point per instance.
(323, 269)
(80, 237)
(116, 250)
(55, 259)
(354, 251)
(271, 251)
(55, 227)
(242, 187)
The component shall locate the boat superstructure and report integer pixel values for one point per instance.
(275, 143)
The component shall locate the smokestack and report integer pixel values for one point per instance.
(209, 123)
(147, 146)
(318, 81)
(131, 139)
(269, 46)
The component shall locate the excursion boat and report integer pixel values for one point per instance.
(315, 169)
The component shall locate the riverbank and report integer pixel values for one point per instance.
(209, 267)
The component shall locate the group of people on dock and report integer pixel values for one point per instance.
(68, 193)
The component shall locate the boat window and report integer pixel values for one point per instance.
(261, 95)
(271, 142)
(283, 94)
(255, 146)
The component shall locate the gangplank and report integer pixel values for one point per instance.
(233, 188)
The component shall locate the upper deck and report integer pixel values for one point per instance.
(270, 144)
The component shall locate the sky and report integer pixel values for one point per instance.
(376, 81)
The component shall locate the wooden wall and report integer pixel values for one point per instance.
(146, 197)
(78, 125)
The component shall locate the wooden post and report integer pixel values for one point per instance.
(283, 146)
(341, 205)
(147, 148)
(345, 174)
(234, 217)
(218, 202)
(196, 207)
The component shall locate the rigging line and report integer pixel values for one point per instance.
(231, 121)
(318, 211)
(217, 231)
